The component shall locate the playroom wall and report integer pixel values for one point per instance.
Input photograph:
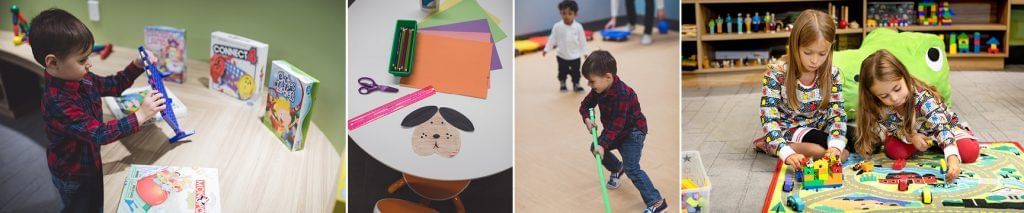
(307, 33)
(544, 13)
(1017, 26)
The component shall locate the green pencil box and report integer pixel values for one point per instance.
(403, 48)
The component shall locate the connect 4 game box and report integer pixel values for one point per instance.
(237, 66)
(290, 97)
(168, 44)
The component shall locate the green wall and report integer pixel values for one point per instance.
(308, 33)
(1017, 25)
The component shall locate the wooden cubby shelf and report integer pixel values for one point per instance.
(707, 44)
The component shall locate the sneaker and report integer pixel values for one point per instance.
(646, 40)
(629, 27)
(578, 89)
(563, 88)
(613, 180)
(658, 207)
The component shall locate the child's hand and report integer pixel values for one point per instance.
(611, 24)
(795, 160)
(589, 124)
(919, 141)
(152, 103)
(832, 151)
(953, 168)
(138, 61)
(599, 151)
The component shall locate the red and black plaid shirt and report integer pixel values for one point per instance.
(73, 114)
(620, 113)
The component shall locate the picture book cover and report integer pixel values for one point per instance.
(131, 99)
(170, 189)
(290, 99)
(168, 44)
(237, 66)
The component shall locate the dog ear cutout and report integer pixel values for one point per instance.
(457, 119)
(418, 116)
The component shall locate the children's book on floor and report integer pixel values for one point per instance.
(168, 44)
(237, 66)
(131, 99)
(290, 96)
(170, 189)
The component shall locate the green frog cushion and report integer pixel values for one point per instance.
(921, 53)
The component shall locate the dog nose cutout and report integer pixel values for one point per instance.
(436, 136)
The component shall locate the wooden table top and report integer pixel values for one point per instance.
(257, 172)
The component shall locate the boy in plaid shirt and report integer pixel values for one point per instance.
(71, 107)
(624, 126)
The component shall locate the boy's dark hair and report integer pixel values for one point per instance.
(57, 32)
(599, 63)
(569, 4)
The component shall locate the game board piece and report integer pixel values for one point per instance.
(903, 185)
(899, 164)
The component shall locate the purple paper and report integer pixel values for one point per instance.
(479, 25)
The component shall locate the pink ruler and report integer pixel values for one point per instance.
(390, 107)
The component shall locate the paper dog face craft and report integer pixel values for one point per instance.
(437, 130)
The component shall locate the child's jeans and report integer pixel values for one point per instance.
(81, 195)
(630, 151)
(895, 149)
(569, 68)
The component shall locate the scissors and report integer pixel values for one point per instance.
(369, 85)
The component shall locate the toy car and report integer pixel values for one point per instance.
(787, 185)
(795, 203)
(926, 195)
(614, 35)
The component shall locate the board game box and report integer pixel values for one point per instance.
(170, 189)
(168, 44)
(290, 96)
(131, 99)
(237, 66)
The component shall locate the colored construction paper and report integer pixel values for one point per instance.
(466, 10)
(479, 25)
(449, 3)
(451, 65)
(473, 36)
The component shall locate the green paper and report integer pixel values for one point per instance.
(467, 10)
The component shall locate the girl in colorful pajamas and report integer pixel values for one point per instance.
(907, 115)
(801, 102)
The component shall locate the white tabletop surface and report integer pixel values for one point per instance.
(485, 151)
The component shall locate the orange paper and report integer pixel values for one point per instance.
(451, 65)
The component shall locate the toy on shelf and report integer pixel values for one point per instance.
(403, 48)
(795, 203)
(823, 173)
(20, 26)
(977, 42)
(963, 43)
(947, 14)
(718, 25)
(768, 23)
(728, 23)
(924, 18)
(952, 44)
(156, 81)
(756, 22)
(103, 50)
(993, 45)
(711, 27)
(748, 21)
(891, 14)
(739, 23)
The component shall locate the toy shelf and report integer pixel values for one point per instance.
(955, 27)
(991, 17)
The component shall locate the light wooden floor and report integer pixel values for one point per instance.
(553, 168)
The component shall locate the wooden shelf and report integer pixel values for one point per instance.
(757, 1)
(689, 38)
(783, 34)
(727, 70)
(1017, 2)
(688, 1)
(955, 27)
(977, 55)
